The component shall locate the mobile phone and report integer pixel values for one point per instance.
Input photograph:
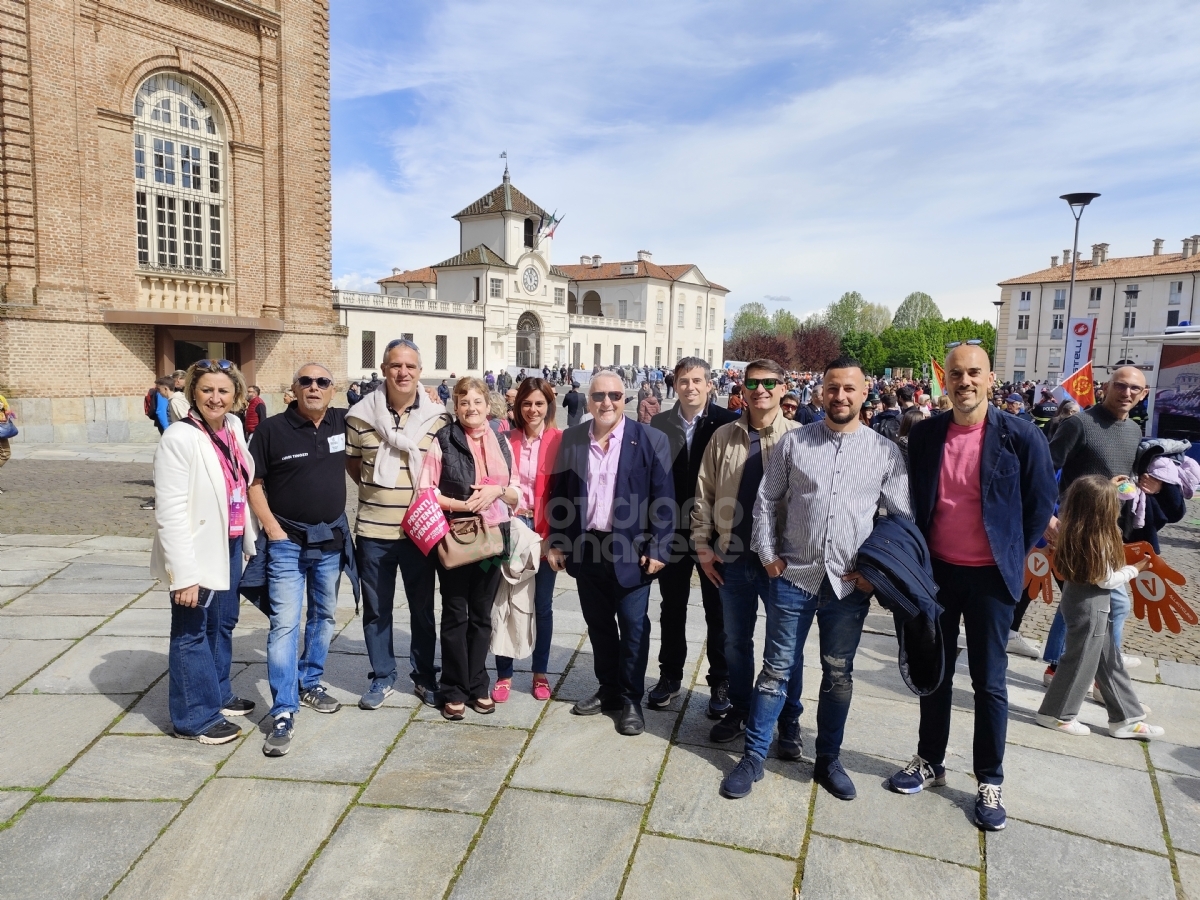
(204, 597)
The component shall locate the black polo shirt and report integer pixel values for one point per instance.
(303, 467)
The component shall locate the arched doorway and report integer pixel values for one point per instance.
(591, 304)
(529, 341)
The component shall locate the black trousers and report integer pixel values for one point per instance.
(675, 585)
(618, 628)
(467, 595)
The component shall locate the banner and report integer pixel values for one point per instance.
(1081, 338)
(1177, 395)
(937, 384)
(424, 522)
(1081, 386)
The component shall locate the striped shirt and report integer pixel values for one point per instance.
(818, 499)
(381, 510)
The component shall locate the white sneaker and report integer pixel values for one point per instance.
(1068, 726)
(1018, 646)
(1131, 662)
(1138, 731)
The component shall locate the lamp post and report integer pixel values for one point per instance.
(1131, 296)
(1077, 202)
(996, 339)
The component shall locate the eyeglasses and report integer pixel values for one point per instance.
(308, 381)
(209, 365)
(769, 383)
(1127, 388)
(614, 396)
(973, 342)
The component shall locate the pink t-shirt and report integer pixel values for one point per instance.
(957, 535)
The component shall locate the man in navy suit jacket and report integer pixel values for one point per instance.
(611, 522)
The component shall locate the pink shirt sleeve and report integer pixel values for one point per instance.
(431, 468)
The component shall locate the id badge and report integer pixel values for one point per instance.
(337, 443)
(237, 512)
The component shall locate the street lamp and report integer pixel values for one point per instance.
(1077, 202)
(996, 339)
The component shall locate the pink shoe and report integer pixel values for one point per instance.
(500, 691)
(541, 688)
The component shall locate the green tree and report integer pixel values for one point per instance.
(867, 348)
(917, 307)
(842, 316)
(784, 323)
(750, 319)
(873, 318)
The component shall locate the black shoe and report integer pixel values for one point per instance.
(719, 703)
(594, 705)
(221, 733)
(829, 774)
(741, 780)
(730, 728)
(631, 721)
(427, 695)
(279, 741)
(664, 692)
(238, 707)
(791, 744)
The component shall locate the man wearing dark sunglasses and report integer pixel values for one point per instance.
(689, 427)
(299, 496)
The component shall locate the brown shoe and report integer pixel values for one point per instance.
(484, 706)
(454, 711)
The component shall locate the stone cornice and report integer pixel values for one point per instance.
(240, 14)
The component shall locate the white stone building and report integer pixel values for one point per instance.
(1133, 298)
(501, 303)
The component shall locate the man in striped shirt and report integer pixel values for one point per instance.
(817, 503)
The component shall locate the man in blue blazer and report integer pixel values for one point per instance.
(611, 522)
(982, 488)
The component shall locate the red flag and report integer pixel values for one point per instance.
(1080, 386)
(938, 386)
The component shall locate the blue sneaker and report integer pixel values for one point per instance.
(279, 741)
(719, 703)
(428, 696)
(790, 743)
(374, 697)
(917, 776)
(989, 808)
(740, 781)
(829, 774)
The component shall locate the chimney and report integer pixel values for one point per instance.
(643, 256)
(395, 271)
(585, 260)
(1187, 248)
(1066, 257)
(1104, 253)
(1158, 242)
(1195, 244)
(1054, 262)
(596, 261)
(1095, 254)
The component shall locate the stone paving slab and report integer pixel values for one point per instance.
(592, 843)
(43, 540)
(667, 869)
(21, 557)
(24, 577)
(11, 593)
(153, 600)
(30, 604)
(11, 801)
(1175, 710)
(20, 659)
(87, 568)
(115, 542)
(446, 766)
(389, 853)
(63, 585)
(46, 627)
(76, 850)
(139, 623)
(346, 679)
(140, 768)
(520, 711)
(1180, 675)
(106, 665)
(1174, 758)
(34, 744)
(283, 821)
(1026, 862)
(1189, 874)
(1181, 803)
(842, 870)
(772, 819)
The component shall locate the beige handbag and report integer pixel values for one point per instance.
(470, 541)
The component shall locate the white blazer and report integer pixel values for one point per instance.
(191, 542)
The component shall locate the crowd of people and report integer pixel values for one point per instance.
(810, 495)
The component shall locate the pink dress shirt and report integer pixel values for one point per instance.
(527, 468)
(602, 478)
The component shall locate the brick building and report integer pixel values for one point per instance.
(164, 197)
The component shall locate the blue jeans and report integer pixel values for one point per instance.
(543, 612)
(290, 577)
(199, 656)
(1118, 612)
(790, 613)
(378, 561)
(746, 582)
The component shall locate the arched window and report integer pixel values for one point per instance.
(529, 341)
(529, 233)
(179, 177)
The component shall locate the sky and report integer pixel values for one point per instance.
(792, 151)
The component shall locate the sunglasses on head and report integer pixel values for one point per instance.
(308, 381)
(769, 383)
(401, 342)
(214, 365)
(973, 342)
(614, 396)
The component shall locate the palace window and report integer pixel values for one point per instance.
(472, 353)
(1060, 298)
(657, 357)
(659, 314)
(368, 349)
(637, 355)
(712, 318)
(699, 319)
(495, 288)
(1094, 298)
(679, 317)
(1024, 301)
(1175, 297)
(178, 144)
(439, 351)
(560, 296)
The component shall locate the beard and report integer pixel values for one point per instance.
(841, 418)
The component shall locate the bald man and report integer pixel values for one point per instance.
(982, 494)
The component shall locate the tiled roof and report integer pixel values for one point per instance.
(476, 256)
(612, 272)
(413, 276)
(555, 270)
(1116, 267)
(505, 198)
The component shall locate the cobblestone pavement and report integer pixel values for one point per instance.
(529, 801)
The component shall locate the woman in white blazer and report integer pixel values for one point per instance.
(201, 472)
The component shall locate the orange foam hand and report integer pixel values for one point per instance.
(1154, 596)
(1039, 568)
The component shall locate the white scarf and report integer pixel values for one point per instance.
(373, 409)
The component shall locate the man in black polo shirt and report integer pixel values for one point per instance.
(299, 496)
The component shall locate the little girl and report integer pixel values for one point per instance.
(1090, 556)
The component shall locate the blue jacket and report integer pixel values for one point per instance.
(1018, 486)
(895, 559)
(253, 584)
(161, 404)
(643, 505)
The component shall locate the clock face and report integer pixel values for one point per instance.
(529, 278)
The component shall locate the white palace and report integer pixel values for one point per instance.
(501, 303)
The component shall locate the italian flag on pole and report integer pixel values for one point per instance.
(937, 384)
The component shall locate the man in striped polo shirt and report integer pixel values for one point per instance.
(816, 505)
(387, 435)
